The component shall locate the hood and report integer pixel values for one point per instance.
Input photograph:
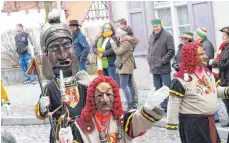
(133, 40)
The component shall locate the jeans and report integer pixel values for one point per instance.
(159, 80)
(82, 66)
(110, 71)
(24, 62)
(216, 115)
(127, 87)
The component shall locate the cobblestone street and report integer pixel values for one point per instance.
(40, 134)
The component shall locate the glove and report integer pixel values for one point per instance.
(65, 135)
(44, 102)
(154, 99)
(6, 108)
(210, 61)
(83, 78)
(172, 134)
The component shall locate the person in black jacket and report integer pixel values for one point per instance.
(185, 38)
(200, 35)
(220, 64)
(103, 50)
(22, 40)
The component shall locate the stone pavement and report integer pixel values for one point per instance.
(40, 134)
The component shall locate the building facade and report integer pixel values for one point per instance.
(177, 17)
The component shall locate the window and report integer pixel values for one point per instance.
(183, 19)
(165, 15)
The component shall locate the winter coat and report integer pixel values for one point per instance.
(108, 53)
(81, 46)
(223, 65)
(177, 58)
(161, 51)
(125, 54)
(208, 48)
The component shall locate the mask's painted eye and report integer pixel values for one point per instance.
(53, 48)
(67, 45)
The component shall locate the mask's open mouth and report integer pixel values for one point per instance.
(64, 63)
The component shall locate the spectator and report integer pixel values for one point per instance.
(161, 51)
(185, 39)
(221, 65)
(122, 23)
(80, 44)
(126, 59)
(103, 50)
(200, 36)
(22, 40)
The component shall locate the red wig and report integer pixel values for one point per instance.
(189, 57)
(90, 108)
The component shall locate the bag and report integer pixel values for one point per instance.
(118, 64)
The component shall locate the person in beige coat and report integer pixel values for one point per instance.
(103, 120)
(122, 23)
(125, 56)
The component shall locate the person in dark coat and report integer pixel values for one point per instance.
(220, 64)
(185, 38)
(161, 51)
(81, 45)
(103, 50)
(200, 36)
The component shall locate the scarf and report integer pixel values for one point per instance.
(216, 71)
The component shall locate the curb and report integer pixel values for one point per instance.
(26, 121)
(23, 121)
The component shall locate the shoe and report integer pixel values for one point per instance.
(34, 82)
(26, 82)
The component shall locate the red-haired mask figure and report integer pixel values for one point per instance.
(193, 97)
(103, 119)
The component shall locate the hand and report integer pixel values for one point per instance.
(44, 102)
(100, 55)
(211, 61)
(83, 78)
(6, 108)
(172, 134)
(65, 135)
(154, 99)
(112, 40)
(176, 67)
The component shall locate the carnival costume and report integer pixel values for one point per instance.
(115, 126)
(193, 98)
(50, 102)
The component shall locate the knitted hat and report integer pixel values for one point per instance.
(156, 21)
(201, 32)
(188, 35)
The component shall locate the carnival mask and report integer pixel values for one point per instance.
(60, 54)
(104, 97)
(202, 57)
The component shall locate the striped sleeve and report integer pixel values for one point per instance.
(138, 122)
(176, 88)
(226, 92)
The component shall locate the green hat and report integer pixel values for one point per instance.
(201, 32)
(188, 35)
(156, 21)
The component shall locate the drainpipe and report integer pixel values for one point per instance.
(110, 13)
